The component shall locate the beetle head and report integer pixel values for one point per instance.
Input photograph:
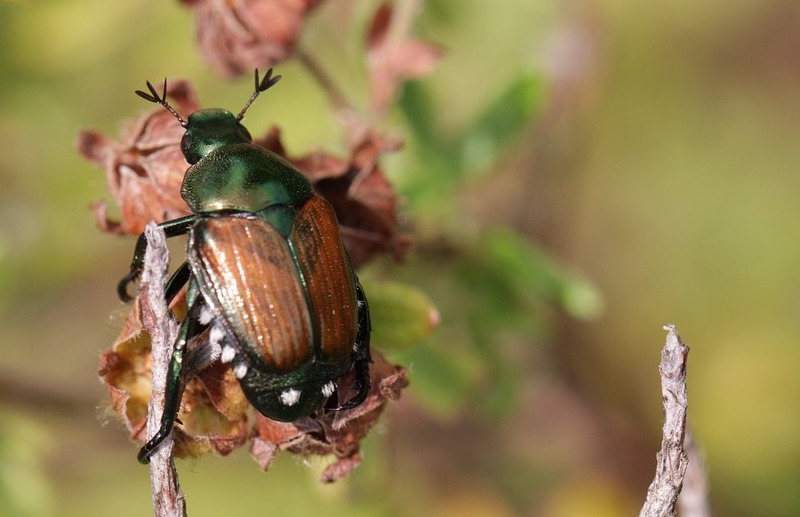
(209, 129)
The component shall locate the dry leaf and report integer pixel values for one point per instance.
(215, 415)
(145, 168)
(238, 36)
(393, 60)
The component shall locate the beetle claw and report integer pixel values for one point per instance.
(122, 287)
(358, 398)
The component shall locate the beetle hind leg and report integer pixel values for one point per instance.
(361, 355)
(190, 328)
(176, 282)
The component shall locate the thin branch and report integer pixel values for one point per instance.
(671, 460)
(168, 500)
(28, 392)
(325, 81)
(405, 12)
(693, 501)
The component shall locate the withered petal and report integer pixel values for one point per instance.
(93, 146)
(391, 61)
(263, 451)
(236, 37)
(340, 468)
(145, 167)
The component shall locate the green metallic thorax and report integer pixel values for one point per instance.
(245, 178)
(231, 173)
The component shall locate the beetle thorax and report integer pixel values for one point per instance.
(243, 177)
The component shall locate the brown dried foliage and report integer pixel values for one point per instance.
(393, 57)
(216, 416)
(237, 36)
(364, 200)
(144, 169)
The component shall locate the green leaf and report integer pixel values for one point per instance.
(402, 315)
(530, 272)
(443, 378)
(501, 122)
(479, 146)
(418, 109)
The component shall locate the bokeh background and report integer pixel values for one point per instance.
(576, 174)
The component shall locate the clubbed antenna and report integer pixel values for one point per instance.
(262, 86)
(160, 99)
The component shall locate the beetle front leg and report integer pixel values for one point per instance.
(171, 229)
(190, 328)
(136, 267)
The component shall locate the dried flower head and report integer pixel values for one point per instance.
(237, 36)
(145, 168)
(216, 416)
(394, 57)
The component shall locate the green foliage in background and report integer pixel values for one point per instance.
(672, 181)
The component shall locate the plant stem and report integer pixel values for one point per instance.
(335, 95)
(671, 460)
(168, 500)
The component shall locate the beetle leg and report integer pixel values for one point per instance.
(361, 356)
(204, 350)
(177, 281)
(171, 229)
(173, 392)
(136, 268)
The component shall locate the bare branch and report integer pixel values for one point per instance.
(168, 500)
(671, 460)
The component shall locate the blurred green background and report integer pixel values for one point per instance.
(577, 174)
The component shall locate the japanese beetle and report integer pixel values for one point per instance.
(267, 273)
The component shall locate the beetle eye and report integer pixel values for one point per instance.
(186, 141)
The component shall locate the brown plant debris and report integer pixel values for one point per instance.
(237, 36)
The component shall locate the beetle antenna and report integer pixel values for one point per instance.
(261, 86)
(153, 96)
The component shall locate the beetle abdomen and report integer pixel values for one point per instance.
(249, 278)
(329, 279)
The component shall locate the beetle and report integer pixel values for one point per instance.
(268, 275)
